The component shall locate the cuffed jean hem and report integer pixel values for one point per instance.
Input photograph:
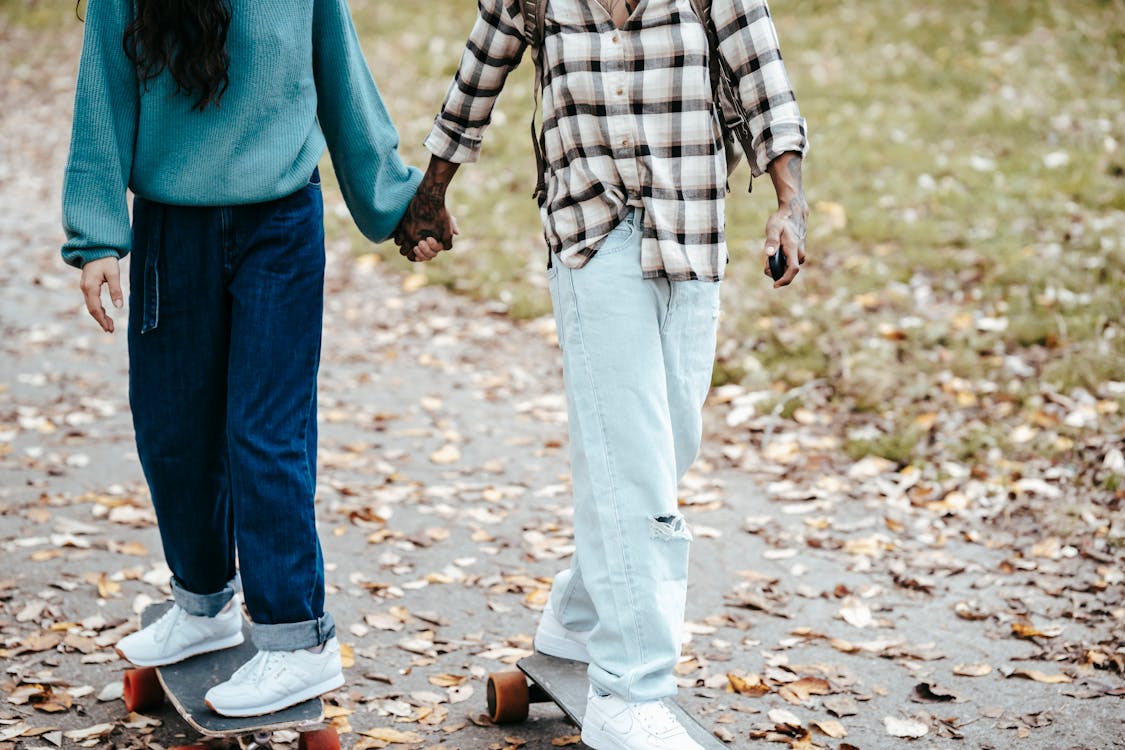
(202, 605)
(290, 636)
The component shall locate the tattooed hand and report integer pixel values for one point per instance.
(427, 228)
(787, 227)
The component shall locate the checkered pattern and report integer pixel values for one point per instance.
(629, 120)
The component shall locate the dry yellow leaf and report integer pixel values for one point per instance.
(1035, 674)
(750, 684)
(414, 282)
(446, 455)
(830, 727)
(798, 692)
(448, 680)
(347, 655)
(393, 736)
(107, 588)
(972, 670)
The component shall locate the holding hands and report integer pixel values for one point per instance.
(427, 228)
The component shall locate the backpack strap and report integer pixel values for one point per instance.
(702, 10)
(534, 13)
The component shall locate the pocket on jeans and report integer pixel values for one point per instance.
(314, 179)
(619, 238)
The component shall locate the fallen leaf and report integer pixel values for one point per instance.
(446, 455)
(785, 718)
(972, 670)
(798, 692)
(747, 684)
(393, 736)
(830, 727)
(1035, 674)
(904, 727)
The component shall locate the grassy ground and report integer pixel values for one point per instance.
(968, 184)
(966, 250)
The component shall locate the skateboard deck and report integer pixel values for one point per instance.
(185, 684)
(563, 682)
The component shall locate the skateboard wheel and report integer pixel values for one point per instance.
(142, 691)
(319, 739)
(508, 697)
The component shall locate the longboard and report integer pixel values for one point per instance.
(544, 678)
(184, 685)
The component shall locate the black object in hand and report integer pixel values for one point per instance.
(778, 264)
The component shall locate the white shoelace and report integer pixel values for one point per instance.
(257, 668)
(657, 718)
(166, 625)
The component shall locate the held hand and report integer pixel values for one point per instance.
(785, 233)
(94, 274)
(426, 229)
(787, 226)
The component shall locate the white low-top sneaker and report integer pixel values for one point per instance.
(554, 639)
(178, 635)
(274, 680)
(614, 724)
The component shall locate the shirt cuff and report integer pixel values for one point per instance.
(79, 258)
(781, 136)
(452, 145)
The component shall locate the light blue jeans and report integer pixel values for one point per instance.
(637, 360)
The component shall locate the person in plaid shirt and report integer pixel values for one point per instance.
(633, 215)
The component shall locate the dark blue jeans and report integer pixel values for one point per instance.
(225, 318)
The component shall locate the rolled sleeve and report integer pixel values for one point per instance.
(749, 45)
(495, 47)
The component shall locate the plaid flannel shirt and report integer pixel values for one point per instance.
(629, 120)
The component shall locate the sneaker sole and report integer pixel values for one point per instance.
(597, 739)
(561, 648)
(202, 648)
(308, 693)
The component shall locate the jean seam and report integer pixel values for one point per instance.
(672, 298)
(608, 458)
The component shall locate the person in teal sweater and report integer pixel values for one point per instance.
(215, 115)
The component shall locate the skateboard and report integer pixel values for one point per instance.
(185, 683)
(543, 679)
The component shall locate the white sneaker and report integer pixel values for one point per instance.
(613, 724)
(554, 639)
(178, 635)
(274, 680)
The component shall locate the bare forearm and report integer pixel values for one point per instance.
(785, 172)
(438, 177)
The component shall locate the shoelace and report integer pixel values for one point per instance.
(167, 623)
(656, 717)
(255, 669)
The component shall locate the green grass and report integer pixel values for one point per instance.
(939, 197)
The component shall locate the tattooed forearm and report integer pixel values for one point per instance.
(426, 215)
(785, 171)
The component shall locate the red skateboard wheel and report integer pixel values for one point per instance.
(143, 691)
(509, 698)
(319, 739)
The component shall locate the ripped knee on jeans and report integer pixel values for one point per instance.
(669, 526)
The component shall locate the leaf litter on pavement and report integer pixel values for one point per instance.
(862, 600)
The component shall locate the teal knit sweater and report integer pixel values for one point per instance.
(294, 65)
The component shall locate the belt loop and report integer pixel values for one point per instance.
(151, 317)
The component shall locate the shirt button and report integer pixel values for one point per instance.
(615, 39)
(620, 92)
(625, 142)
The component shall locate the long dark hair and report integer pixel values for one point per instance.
(188, 38)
